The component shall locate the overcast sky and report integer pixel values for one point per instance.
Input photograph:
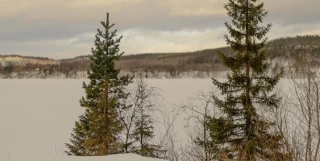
(66, 28)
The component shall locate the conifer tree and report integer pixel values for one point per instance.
(143, 134)
(105, 125)
(78, 138)
(241, 132)
(105, 93)
(143, 131)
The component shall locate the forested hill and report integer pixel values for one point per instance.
(279, 51)
(208, 60)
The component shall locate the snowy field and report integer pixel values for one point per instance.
(37, 116)
(118, 157)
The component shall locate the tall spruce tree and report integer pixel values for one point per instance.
(241, 132)
(97, 132)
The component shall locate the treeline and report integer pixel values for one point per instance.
(176, 63)
(208, 60)
(33, 57)
(289, 47)
(64, 70)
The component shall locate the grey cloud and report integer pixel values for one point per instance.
(291, 12)
(63, 28)
(17, 29)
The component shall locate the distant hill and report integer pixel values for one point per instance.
(208, 60)
(279, 51)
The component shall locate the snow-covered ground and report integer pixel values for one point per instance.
(37, 116)
(84, 75)
(118, 157)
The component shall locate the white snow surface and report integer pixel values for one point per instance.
(37, 116)
(117, 157)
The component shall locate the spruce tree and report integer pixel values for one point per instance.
(143, 132)
(80, 135)
(105, 125)
(104, 96)
(241, 132)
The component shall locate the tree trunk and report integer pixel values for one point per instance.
(309, 121)
(247, 90)
(141, 132)
(317, 120)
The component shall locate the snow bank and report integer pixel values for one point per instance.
(118, 157)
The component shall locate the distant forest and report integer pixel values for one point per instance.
(208, 60)
(204, 60)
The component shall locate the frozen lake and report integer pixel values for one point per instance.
(37, 116)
